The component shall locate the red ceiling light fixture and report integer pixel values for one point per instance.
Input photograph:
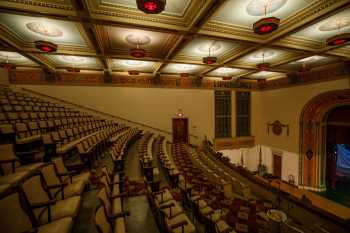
(184, 75)
(266, 25)
(137, 52)
(46, 46)
(133, 72)
(210, 59)
(151, 6)
(340, 39)
(264, 66)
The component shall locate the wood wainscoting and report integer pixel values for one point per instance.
(233, 143)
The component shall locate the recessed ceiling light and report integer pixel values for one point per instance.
(133, 63)
(257, 7)
(73, 59)
(184, 67)
(44, 29)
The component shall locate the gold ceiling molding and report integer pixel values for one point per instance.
(34, 4)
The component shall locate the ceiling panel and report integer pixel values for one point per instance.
(16, 59)
(265, 75)
(126, 65)
(270, 55)
(201, 47)
(235, 18)
(25, 30)
(177, 68)
(315, 36)
(177, 15)
(227, 72)
(310, 62)
(65, 61)
(121, 40)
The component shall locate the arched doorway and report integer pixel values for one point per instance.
(337, 145)
(313, 139)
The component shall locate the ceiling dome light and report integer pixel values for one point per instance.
(209, 60)
(45, 46)
(137, 52)
(266, 25)
(340, 39)
(133, 72)
(151, 6)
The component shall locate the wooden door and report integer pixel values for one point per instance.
(180, 130)
(277, 166)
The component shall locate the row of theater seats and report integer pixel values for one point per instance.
(202, 212)
(168, 212)
(44, 197)
(231, 185)
(147, 163)
(120, 144)
(242, 212)
(110, 216)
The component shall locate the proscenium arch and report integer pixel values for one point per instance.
(313, 125)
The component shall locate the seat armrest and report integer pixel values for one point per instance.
(60, 185)
(159, 192)
(43, 204)
(118, 195)
(167, 206)
(119, 215)
(179, 224)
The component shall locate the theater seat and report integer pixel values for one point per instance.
(44, 205)
(112, 205)
(59, 189)
(103, 224)
(14, 219)
(180, 224)
(9, 162)
(70, 176)
(14, 178)
(63, 225)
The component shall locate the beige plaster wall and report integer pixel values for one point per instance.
(151, 106)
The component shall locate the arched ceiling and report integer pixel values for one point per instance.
(98, 34)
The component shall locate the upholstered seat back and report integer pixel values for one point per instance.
(102, 195)
(101, 221)
(35, 192)
(7, 153)
(61, 168)
(13, 219)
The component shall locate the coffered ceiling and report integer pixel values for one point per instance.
(99, 34)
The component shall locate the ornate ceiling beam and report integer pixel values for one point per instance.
(196, 24)
(90, 30)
